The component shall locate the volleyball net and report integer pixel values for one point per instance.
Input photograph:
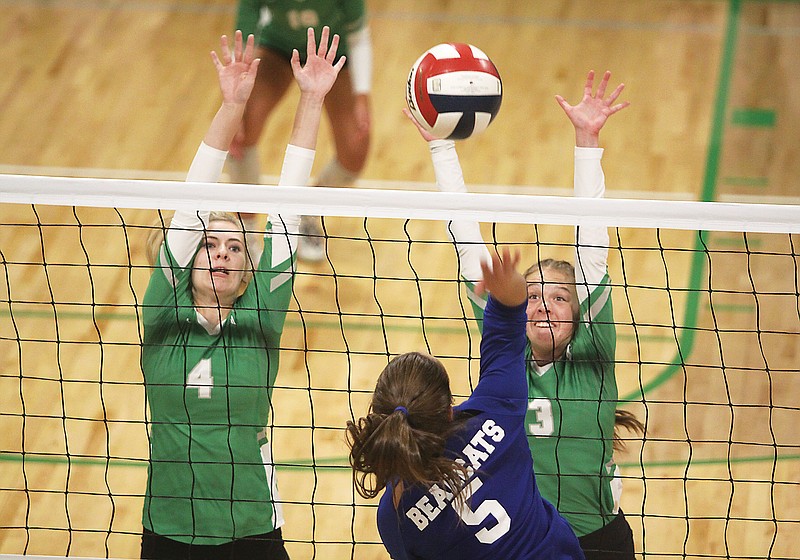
(707, 312)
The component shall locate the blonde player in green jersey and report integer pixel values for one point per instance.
(572, 390)
(213, 315)
(279, 26)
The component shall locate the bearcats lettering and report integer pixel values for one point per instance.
(477, 451)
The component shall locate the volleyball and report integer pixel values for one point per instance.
(454, 91)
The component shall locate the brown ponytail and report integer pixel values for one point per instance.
(627, 420)
(402, 439)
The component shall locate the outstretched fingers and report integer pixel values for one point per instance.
(250, 75)
(601, 88)
(331, 54)
(226, 54)
(237, 46)
(328, 46)
(249, 49)
(588, 87)
(236, 67)
(590, 115)
(311, 41)
(616, 93)
(323, 41)
(230, 56)
(501, 278)
(318, 72)
(564, 104)
(217, 62)
(506, 261)
(601, 93)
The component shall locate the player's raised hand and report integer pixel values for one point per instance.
(591, 113)
(237, 69)
(319, 73)
(502, 280)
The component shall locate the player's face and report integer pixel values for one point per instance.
(552, 304)
(220, 263)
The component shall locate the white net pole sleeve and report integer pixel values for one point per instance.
(465, 234)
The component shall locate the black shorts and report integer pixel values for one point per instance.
(612, 542)
(268, 546)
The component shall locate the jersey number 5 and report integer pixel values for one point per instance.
(201, 379)
(487, 508)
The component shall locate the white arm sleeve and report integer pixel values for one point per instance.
(186, 228)
(359, 44)
(466, 235)
(296, 171)
(591, 258)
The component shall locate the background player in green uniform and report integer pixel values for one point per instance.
(572, 390)
(279, 26)
(213, 315)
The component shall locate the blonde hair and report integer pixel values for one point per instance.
(253, 240)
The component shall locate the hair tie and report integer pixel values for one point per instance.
(402, 409)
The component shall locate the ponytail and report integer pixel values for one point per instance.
(627, 420)
(403, 437)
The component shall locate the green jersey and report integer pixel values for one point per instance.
(282, 25)
(209, 387)
(211, 475)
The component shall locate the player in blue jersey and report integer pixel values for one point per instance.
(572, 416)
(279, 26)
(213, 315)
(458, 482)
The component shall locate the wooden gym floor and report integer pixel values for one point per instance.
(126, 89)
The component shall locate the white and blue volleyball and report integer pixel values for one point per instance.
(454, 91)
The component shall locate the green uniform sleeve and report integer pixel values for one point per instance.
(168, 295)
(597, 320)
(270, 291)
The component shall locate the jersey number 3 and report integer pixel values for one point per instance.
(543, 412)
(200, 378)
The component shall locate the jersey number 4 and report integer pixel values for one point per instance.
(200, 378)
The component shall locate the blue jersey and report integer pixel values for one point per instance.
(504, 516)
